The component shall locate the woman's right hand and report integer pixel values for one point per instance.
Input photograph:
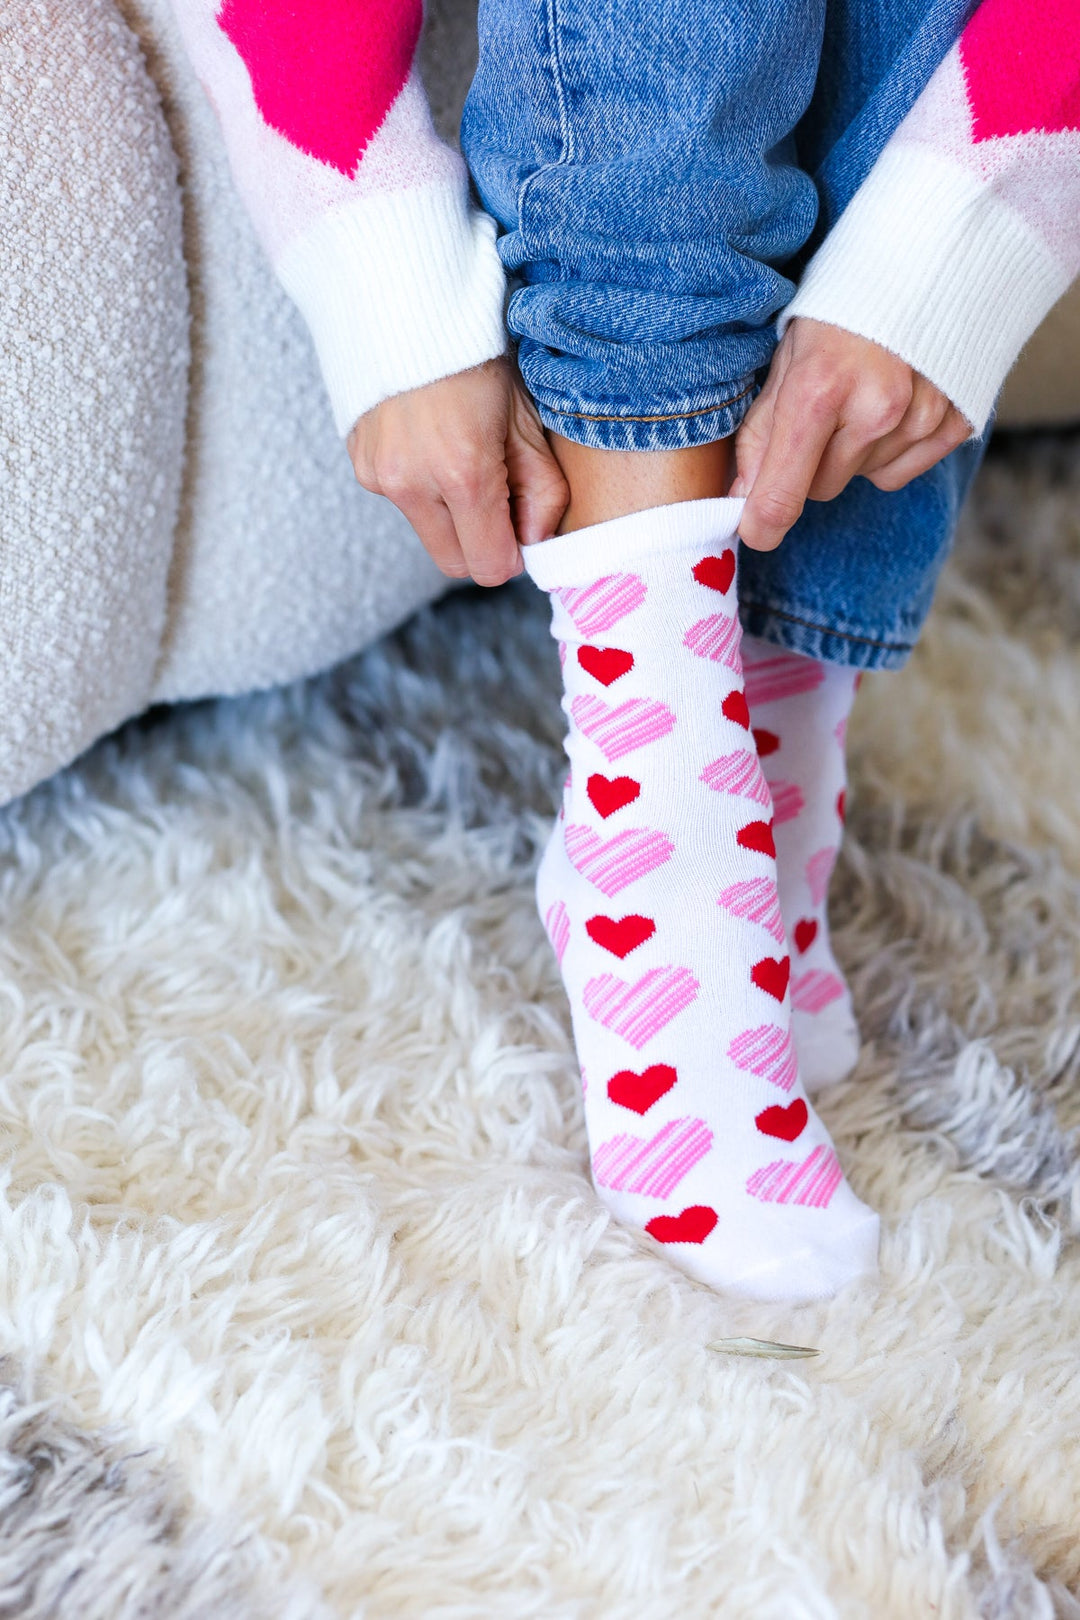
(467, 461)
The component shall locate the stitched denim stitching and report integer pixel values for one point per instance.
(827, 629)
(673, 416)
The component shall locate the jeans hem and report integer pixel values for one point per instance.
(677, 430)
(800, 633)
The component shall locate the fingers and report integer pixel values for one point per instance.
(919, 458)
(802, 426)
(922, 419)
(478, 503)
(539, 492)
(438, 534)
(752, 438)
(439, 454)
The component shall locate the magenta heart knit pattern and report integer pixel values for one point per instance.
(658, 891)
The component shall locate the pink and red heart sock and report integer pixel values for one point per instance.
(799, 711)
(658, 891)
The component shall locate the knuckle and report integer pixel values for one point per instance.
(392, 476)
(466, 474)
(887, 480)
(957, 430)
(884, 409)
(824, 394)
(924, 418)
(778, 508)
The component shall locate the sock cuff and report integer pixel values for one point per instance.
(577, 558)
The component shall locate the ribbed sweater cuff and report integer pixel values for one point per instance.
(929, 263)
(397, 290)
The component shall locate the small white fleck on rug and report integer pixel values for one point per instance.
(295, 1197)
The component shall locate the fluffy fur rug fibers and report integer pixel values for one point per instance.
(308, 1306)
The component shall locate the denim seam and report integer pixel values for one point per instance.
(672, 416)
(566, 150)
(567, 153)
(828, 629)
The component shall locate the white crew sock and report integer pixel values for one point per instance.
(799, 709)
(658, 891)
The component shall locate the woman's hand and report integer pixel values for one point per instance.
(467, 462)
(834, 405)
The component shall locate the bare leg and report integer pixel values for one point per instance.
(613, 483)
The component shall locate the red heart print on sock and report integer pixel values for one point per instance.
(786, 1123)
(758, 836)
(605, 664)
(805, 934)
(734, 708)
(841, 805)
(716, 572)
(325, 73)
(692, 1226)
(608, 794)
(772, 976)
(767, 742)
(638, 1092)
(622, 936)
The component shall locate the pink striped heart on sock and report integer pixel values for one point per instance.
(787, 802)
(739, 773)
(640, 1010)
(811, 1182)
(814, 990)
(654, 1165)
(595, 608)
(819, 871)
(766, 1051)
(621, 730)
(716, 638)
(755, 899)
(612, 863)
(557, 923)
(774, 678)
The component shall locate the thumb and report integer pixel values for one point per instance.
(539, 493)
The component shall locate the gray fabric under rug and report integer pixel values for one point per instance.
(308, 1305)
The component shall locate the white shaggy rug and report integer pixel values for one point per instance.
(300, 1261)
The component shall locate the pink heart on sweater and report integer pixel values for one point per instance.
(325, 73)
(1022, 68)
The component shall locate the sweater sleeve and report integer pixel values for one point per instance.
(967, 229)
(363, 211)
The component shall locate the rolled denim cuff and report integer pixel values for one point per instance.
(827, 644)
(703, 421)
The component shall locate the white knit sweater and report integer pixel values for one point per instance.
(963, 236)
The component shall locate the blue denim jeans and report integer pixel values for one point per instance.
(659, 173)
